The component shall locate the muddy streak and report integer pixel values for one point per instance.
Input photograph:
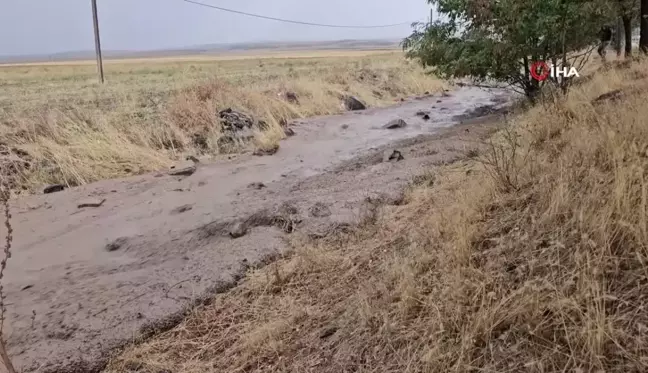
(94, 277)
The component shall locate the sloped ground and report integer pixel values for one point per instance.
(151, 113)
(83, 280)
(530, 258)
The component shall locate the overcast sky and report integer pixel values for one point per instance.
(50, 26)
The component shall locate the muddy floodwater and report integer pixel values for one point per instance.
(84, 280)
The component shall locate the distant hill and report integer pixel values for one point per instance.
(349, 44)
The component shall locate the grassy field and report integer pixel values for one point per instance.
(57, 125)
(206, 57)
(530, 258)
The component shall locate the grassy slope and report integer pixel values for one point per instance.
(144, 117)
(535, 261)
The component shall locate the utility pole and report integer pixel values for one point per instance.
(95, 20)
(431, 15)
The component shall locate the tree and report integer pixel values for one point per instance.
(617, 39)
(643, 33)
(500, 39)
(626, 10)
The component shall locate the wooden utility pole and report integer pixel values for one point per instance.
(431, 15)
(95, 20)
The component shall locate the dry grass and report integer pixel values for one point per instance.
(58, 126)
(255, 54)
(534, 262)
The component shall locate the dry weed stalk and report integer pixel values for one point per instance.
(4, 201)
(503, 161)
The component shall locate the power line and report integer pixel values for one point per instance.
(292, 21)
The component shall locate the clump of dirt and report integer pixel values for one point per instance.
(237, 128)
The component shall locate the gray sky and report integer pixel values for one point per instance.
(50, 26)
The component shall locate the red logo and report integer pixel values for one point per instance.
(539, 71)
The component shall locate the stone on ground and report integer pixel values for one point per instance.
(352, 103)
(396, 123)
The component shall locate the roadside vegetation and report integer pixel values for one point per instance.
(58, 126)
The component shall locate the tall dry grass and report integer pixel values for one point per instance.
(536, 261)
(58, 126)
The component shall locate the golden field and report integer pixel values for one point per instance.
(530, 258)
(223, 56)
(58, 125)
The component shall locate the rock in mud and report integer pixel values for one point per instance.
(394, 124)
(327, 332)
(238, 230)
(352, 103)
(116, 244)
(91, 202)
(53, 188)
(256, 185)
(237, 128)
(183, 169)
(425, 117)
(421, 113)
(393, 156)
(233, 120)
(181, 209)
